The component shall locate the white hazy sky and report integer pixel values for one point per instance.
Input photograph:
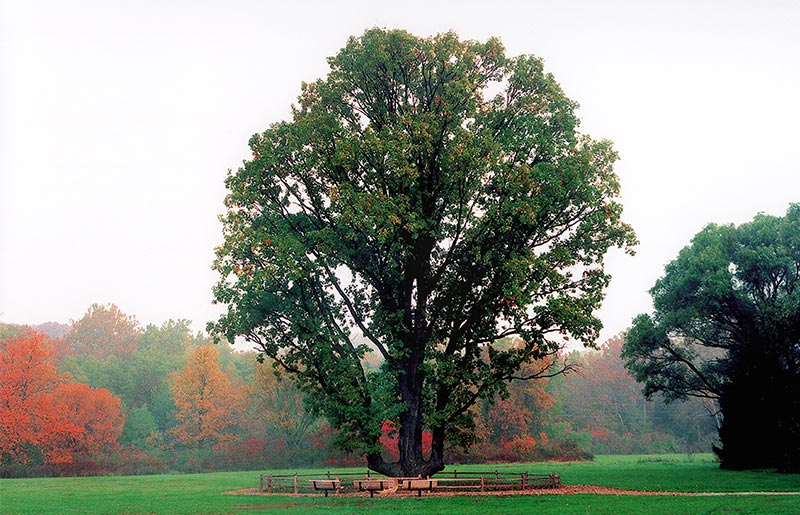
(120, 119)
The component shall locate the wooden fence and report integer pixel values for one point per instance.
(452, 481)
(496, 481)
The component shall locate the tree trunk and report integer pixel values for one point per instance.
(412, 462)
(410, 378)
(409, 465)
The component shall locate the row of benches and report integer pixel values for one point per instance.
(376, 485)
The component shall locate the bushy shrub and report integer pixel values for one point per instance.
(133, 461)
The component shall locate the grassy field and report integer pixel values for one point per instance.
(203, 493)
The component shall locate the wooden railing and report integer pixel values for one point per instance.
(443, 481)
(493, 481)
(301, 483)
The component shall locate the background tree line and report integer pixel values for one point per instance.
(105, 395)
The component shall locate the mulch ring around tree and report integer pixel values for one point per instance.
(562, 490)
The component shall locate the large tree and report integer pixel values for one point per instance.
(726, 327)
(433, 196)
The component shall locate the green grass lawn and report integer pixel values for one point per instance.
(202, 493)
(672, 473)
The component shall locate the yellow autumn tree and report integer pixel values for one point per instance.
(206, 400)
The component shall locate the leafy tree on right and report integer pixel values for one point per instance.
(726, 327)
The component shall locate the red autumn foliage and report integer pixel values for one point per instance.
(95, 410)
(522, 446)
(391, 445)
(43, 415)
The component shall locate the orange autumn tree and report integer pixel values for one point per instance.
(95, 410)
(206, 400)
(39, 421)
(28, 420)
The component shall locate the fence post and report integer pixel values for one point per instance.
(482, 484)
(455, 474)
(261, 482)
(269, 484)
(295, 482)
(496, 475)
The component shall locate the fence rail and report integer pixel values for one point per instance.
(452, 481)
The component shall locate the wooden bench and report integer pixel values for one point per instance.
(419, 485)
(326, 485)
(373, 485)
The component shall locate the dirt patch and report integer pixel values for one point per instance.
(277, 506)
(563, 490)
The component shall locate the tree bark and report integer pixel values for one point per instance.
(412, 461)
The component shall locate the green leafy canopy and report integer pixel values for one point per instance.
(731, 289)
(434, 196)
(725, 328)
